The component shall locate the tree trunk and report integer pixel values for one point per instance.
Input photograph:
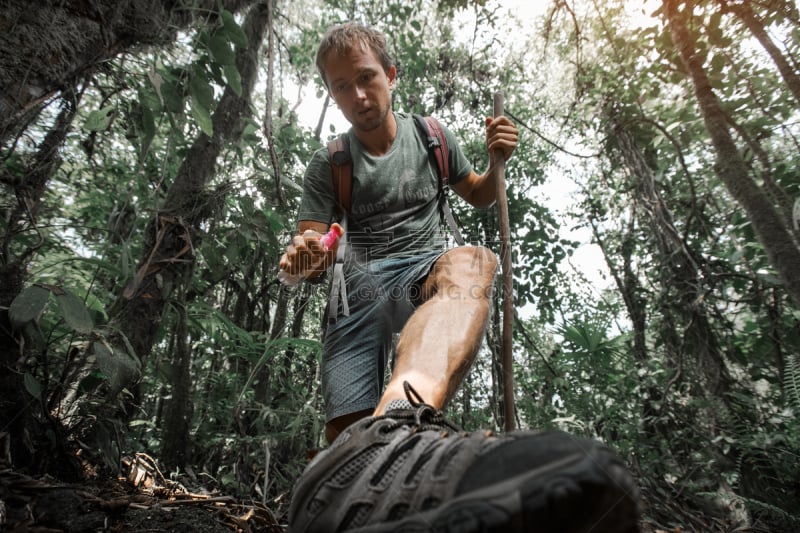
(781, 249)
(264, 387)
(175, 233)
(630, 288)
(52, 46)
(300, 307)
(268, 129)
(745, 13)
(683, 270)
(178, 409)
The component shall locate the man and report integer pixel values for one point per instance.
(394, 465)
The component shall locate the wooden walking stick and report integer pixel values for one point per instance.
(499, 164)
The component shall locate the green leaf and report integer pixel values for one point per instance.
(150, 99)
(172, 97)
(147, 122)
(148, 126)
(717, 63)
(714, 30)
(203, 118)
(32, 386)
(229, 480)
(74, 312)
(233, 78)
(156, 81)
(28, 306)
(232, 29)
(768, 279)
(249, 132)
(99, 119)
(201, 90)
(220, 49)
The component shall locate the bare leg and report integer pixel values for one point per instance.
(439, 342)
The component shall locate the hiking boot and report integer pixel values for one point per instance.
(411, 470)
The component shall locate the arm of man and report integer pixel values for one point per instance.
(480, 190)
(305, 255)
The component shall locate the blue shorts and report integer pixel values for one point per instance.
(382, 295)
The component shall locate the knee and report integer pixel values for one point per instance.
(475, 262)
(486, 260)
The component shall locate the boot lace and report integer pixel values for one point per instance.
(421, 417)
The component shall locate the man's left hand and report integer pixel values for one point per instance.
(501, 134)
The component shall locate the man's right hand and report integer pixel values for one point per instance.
(305, 255)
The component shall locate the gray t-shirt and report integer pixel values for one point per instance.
(394, 208)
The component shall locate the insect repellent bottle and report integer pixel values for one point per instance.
(330, 238)
(327, 241)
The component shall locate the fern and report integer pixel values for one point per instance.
(772, 510)
(791, 381)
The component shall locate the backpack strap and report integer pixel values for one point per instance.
(338, 292)
(342, 175)
(437, 146)
(342, 171)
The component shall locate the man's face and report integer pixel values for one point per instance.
(360, 87)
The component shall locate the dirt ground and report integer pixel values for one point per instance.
(29, 505)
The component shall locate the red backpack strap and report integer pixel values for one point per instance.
(438, 145)
(342, 176)
(341, 171)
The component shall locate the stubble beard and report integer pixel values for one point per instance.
(372, 124)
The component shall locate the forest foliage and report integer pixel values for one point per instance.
(152, 169)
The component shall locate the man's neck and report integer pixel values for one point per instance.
(379, 141)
